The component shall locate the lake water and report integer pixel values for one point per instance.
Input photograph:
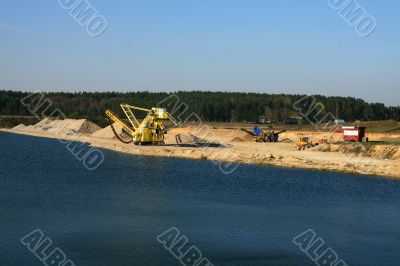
(112, 216)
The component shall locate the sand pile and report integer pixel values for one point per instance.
(108, 133)
(314, 135)
(364, 149)
(68, 127)
(206, 134)
(210, 134)
(237, 139)
(20, 127)
(385, 151)
(286, 140)
(85, 126)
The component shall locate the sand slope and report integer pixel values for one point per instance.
(108, 133)
(62, 127)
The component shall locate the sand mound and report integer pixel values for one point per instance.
(237, 139)
(65, 127)
(108, 133)
(20, 127)
(286, 140)
(364, 149)
(386, 151)
(212, 135)
(86, 127)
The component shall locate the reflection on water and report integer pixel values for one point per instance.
(113, 216)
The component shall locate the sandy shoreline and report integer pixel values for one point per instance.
(244, 152)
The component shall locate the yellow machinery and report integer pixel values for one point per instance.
(304, 143)
(150, 131)
(262, 136)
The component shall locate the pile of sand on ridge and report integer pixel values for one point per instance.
(20, 127)
(386, 151)
(108, 133)
(217, 135)
(237, 139)
(67, 126)
(364, 149)
(294, 136)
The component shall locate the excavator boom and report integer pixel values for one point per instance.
(115, 118)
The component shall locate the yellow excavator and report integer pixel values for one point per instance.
(304, 142)
(150, 131)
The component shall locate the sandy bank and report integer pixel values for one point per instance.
(230, 145)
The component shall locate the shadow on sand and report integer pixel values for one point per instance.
(192, 141)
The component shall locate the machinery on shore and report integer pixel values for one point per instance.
(261, 136)
(304, 142)
(150, 130)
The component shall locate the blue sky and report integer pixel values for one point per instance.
(285, 46)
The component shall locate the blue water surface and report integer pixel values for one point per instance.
(113, 215)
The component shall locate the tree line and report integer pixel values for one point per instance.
(208, 106)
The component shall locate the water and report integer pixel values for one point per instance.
(113, 215)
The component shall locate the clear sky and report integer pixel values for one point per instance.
(285, 46)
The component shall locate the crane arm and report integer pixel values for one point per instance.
(172, 119)
(115, 118)
(136, 108)
(129, 114)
